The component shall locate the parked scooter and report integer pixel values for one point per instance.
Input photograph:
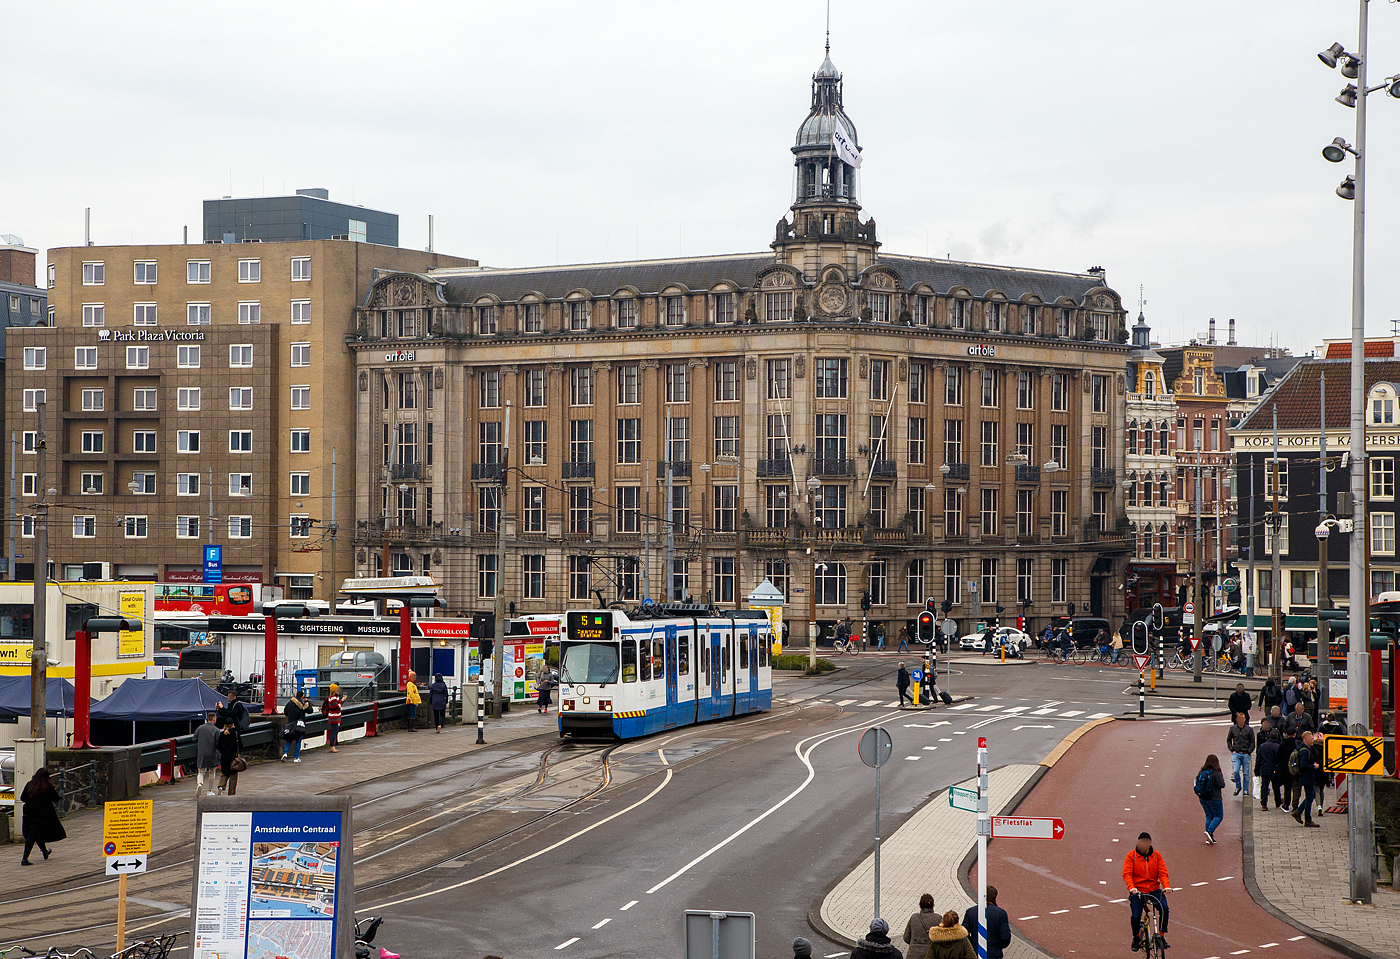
(365, 930)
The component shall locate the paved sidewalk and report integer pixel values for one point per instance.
(1302, 876)
(923, 855)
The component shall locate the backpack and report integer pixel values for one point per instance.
(1204, 780)
(1295, 760)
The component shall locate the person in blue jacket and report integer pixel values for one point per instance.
(998, 925)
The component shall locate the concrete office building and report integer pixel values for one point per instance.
(185, 379)
(306, 215)
(824, 414)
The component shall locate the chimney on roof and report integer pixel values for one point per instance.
(1210, 339)
(1232, 332)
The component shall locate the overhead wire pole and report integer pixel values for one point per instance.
(1276, 592)
(1324, 593)
(39, 656)
(498, 652)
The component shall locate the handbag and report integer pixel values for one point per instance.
(238, 765)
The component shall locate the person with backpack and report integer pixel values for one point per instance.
(1210, 782)
(901, 683)
(1270, 696)
(1285, 783)
(1331, 725)
(1240, 741)
(1306, 761)
(234, 711)
(1265, 763)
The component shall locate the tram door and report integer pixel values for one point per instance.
(755, 657)
(671, 701)
(718, 671)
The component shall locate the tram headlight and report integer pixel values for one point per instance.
(605, 705)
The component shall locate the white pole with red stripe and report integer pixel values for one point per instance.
(984, 829)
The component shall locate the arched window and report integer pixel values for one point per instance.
(1147, 438)
(1132, 436)
(1164, 486)
(1147, 543)
(1163, 431)
(1381, 405)
(1162, 541)
(1132, 490)
(831, 584)
(1149, 383)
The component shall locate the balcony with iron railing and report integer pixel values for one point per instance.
(956, 472)
(487, 471)
(833, 467)
(1028, 474)
(778, 467)
(401, 471)
(677, 467)
(884, 469)
(578, 470)
(1103, 475)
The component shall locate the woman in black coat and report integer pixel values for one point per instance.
(228, 745)
(437, 698)
(41, 825)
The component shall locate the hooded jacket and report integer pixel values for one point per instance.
(876, 947)
(1270, 696)
(945, 942)
(1240, 702)
(1266, 761)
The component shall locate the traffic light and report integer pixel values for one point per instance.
(487, 647)
(946, 606)
(925, 627)
(865, 601)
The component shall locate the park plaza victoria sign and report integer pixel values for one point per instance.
(149, 336)
(353, 626)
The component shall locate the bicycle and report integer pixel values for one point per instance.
(845, 646)
(158, 947)
(1153, 942)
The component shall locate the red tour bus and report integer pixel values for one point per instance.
(215, 599)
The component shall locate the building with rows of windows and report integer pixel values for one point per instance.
(1150, 461)
(834, 418)
(193, 394)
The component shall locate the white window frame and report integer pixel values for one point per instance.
(299, 526)
(237, 440)
(240, 527)
(249, 312)
(140, 396)
(36, 357)
(144, 272)
(1382, 534)
(187, 527)
(198, 272)
(94, 315)
(32, 399)
(301, 269)
(135, 526)
(29, 484)
(198, 314)
(299, 484)
(138, 445)
(250, 271)
(301, 355)
(240, 356)
(184, 354)
(138, 357)
(94, 273)
(187, 398)
(300, 441)
(187, 484)
(301, 397)
(84, 357)
(145, 314)
(240, 484)
(187, 441)
(90, 483)
(85, 527)
(301, 312)
(240, 397)
(93, 399)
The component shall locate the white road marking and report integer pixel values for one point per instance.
(1268, 945)
(927, 725)
(1112, 902)
(845, 702)
(1058, 911)
(945, 740)
(959, 732)
(1017, 709)
(961, 706)
(987, 709)
(629, 905)
(1073, 712)
(1239, 952)
(1022, 919)
(988, 721)
(1100, 715)
(1296, 938)
(603, 923)
(873, 702)
(1043, 712)
(1223, 878)
(1200, 884)
(1092, 905)
(892, 705)
(930, 748)
(1014, 728)
(566, 944)
(915, 758)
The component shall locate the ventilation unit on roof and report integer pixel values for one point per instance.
(251, 241)
(340, 236)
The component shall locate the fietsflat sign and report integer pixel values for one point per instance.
(1005, 827)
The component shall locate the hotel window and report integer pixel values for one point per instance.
(94, 314)
(1028, 320)
(92, 484)
(777, 306)
(138, 357)
(301, 312)
(301, 354)
(94, 274)
(831, 584)
(145, 314)
(779, 379)
(952, 581)
(197, 314)
(84, 527)
(94, 400)
(32, 399)
(187, 398)
(953, 386)
(84, 358)
(240, 484)
(489, 390)
(778, 572)
(301, 268)
(879, 304)
(991, 442)
(197, 271)
(186, 484)
(775, 505)
(1025, 441)
(779, 437)
(301, 397)
(920, 310)
(240, 441)
(726, 436)
(1059, 392)
(915, 503)
(1099, 322)
(408, 324)
(249, 271)
(918, 383)
(629, 385)
(489, 447)
(240, 356)
(629, 512)
(187, 358)
(1059, 512)
(679, 446)
(724, 308)
(991, 389)
(580, 386)
(918, 439)
(879, 511)
(578, 314)
(240, 398)
(991, 522)
(534, 318)
(1382, 477)
(1025, 512)
(187, 527)
(953, 441)
(1025, 390)
(1059, 444)
(533, 498)
(726, 507)
(143, 400)
(831, 437)
(1099, 447)
(1099, 392)
(831, 506)
(488, 509)
(300, 484)
(580, 441)
(914, 583)
(1025, 580)
(299, 526)
(1099, 509)
(143, 441)
(953, 511)
(831, 377)
(301, 441)
(36, 358)
(134, 527)
(879, 379)
(1059, 580)
(486, 321)
(536, 442)
(673, 308)
(240, 527)
(532, 565)
(1383, 534)
(726, 378)
(996, 313)
(627, 313)
(677, 383)
(578, 576)
(249, 313)
(957, 314)
(145, 483)
(989, 581)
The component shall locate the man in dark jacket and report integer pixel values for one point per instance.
(1266, 765)
(998, 925)
(1270, 696)
(901, 683)
(1240, 702)
(1297, 722)
(206, 744)
(235, 711)
(1240, 741)
(1308, 770)
(876, 944)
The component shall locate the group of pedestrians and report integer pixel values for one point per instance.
(931, 935)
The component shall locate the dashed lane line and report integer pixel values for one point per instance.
(600, 925)
(1026, 918)
(629, 905)
(566, 943)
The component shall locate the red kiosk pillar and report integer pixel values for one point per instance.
(270, 664)
(405, 645)
(82, 688)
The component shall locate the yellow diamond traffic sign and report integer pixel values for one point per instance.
(1356, 755)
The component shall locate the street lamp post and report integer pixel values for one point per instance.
(813, 484)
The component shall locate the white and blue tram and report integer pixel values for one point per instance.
(629, 675)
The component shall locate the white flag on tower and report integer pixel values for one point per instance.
(845, 149)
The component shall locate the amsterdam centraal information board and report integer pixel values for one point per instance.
(274, 879)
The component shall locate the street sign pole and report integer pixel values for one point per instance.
(874, 749)
(1142, 697)
(121, 912)
(984, 829)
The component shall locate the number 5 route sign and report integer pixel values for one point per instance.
(1007, 827)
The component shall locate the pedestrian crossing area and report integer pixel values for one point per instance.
(1054, 711)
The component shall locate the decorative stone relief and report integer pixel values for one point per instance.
(863, 366)
(364, 381)
(1122, 383)
(903, 369)
(881, 281)
(437, 378)
(381, 296)
(404, 293)
(833, 300)
(751, 369)
(650, 364)
(800, 367)
(777, 281)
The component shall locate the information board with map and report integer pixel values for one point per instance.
(268, 884)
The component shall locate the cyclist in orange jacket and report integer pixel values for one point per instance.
(1145, 874)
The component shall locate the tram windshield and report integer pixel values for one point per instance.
(589, 663)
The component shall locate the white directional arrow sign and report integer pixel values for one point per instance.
(125, 865)
(1007, 827)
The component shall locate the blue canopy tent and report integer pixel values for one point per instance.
(142, 710)
(14, 698)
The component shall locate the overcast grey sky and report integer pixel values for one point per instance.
(1176, 144)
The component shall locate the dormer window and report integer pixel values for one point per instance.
(1149, 383)
(1199, 382)
(1382, 405)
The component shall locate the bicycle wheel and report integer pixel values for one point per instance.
(1105, 657)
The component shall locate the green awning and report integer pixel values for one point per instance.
(1267, 622)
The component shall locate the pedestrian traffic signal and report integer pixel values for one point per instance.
(926, 632)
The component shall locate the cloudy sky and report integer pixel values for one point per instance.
(1176, 144)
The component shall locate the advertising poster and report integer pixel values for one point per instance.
(267, 885)
(132, 644)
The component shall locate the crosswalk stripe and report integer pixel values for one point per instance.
(1100, 715)
(987, 709)
(1043, 712)
(873, 702)
(1073, 712)
(1017, 709)
(963, 706)
(845, 702)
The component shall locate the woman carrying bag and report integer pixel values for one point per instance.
(41, 825)
(230, 763)
(296, 711)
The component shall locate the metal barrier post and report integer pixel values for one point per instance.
(481, 709)
(171, 777)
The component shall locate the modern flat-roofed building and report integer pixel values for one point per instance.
(306, 215)
(837, 419)
(184, 379)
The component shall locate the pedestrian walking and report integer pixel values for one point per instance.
(901, 683)
(1331, 725)
(876, 944)
(437, 698)
(544, 686)
(1240, 741)
(903, 646)
(949, 940)
(917, 928)
(1240, 701)
(879, 632)
(998, 925)
(331, 709)
(1117, 646)
(1270, 696)
(236, 711)
(230, 763)
(1266, 764)
(41, 824)
(1308, 770)
(1209, 783)
(206, 755)
(1285, 783)
(414, 699)
(296, 711)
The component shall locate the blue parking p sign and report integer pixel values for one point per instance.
(213, 564)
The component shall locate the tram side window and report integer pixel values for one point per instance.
(658, 658)
(724, 658)
(744, 652)
(683, 655)
(764, 648)
(645, 661)
(629, 661)
(704, 655)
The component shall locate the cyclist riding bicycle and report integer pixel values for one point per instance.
(1145, 874)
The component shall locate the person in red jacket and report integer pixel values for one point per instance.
(1145, 874)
